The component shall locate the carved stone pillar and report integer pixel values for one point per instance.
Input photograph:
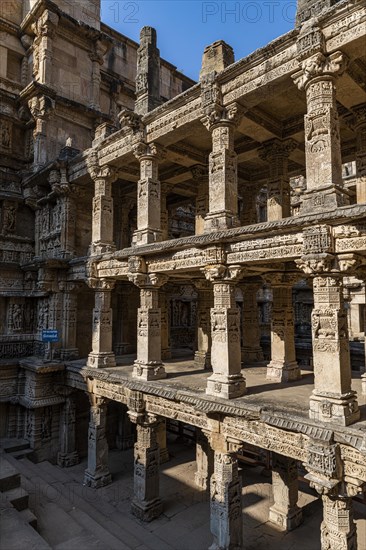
(146, 504)
(69, 350)
(226, 380)
(41, 108)
(338, 529)
(44, 29)
(148, 365)
(202, 356)
(67, 455)
(200, 177)
(285, 512)
(226, 507)
(102, 228)
(283, 366)
(360, 127)
(276, 153)
(102, 354)
(97, 59)
(251, 350)
(165, 329)
(148, 72)
(322, 137)
(148, 196)
(204, 460)
(97, 473)
(164, 213)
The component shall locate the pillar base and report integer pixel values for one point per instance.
(154, 370)
(166, 354)
(65, 460)
(363, 381)
(286, 521)
(146, 236)
(201, 481)
(341, 410)
(97, 480)
(69, 354)
(279, 371)
(101, 248)
(227, 387)
(251, 355)
(101, 360)
(147, 511)
(220, 220)
(202, 360)
(323, 199)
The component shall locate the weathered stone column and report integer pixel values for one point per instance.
(338, 529)
(97, 58)
(322, 137)
(227, 380)
(285, 512)
(164, 212)
(69, 348)
(204, 460)
(44, 29)
(102, 228)
(148, 365)
(226, 507)
(146, 504)
(148, 72)
(251, 350)
(42, 109)
(276, 153)
(202, 356)
(165, 329)
(148, 196)
(102, 354)
(200, 177)
(360, 128)
(332, 399)
(97, 473)
(283, 366)
(67, 455)
(161, 440)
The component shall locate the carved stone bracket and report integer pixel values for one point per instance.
(320, 65)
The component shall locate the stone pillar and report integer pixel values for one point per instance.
(102, 228)
(44, 29)
(322, 136)
(97, 473)
(164, 213)
(276, 153)
(68, 215)
(41, 108)
(338, 529)
(97, 59)
(204, 461)
(148, 196)
(102, 354)
(283, 366)
(226, 380)
(202, 356)
(146, 504)
(284, 512)
(200, 177)
(165, 329)
(332, 399)
(161, 440)
(67, 455)
(226, 507)
(249, 193)
(360, 128)
(251, 350)
(69, 350)
(148, 365)
(148, 72)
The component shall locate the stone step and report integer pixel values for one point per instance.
(16, 533)
(28, 516)
(22, 453)
(9, 476)
(12, 445)
(18, 497)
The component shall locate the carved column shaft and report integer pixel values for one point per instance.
(283, 366)
(97, 473)
(67, 455)
(202, 356)
(69, 323)
(332, 398)
(204, 461)
(338, 529)
(226, 508)
(200, 177)
(361, 153)
(251, 350)
(68, 224)
(164, 214)
(223, 184)
(102, 229)
(285, 512)
(165, 338)
(102, 355)
(148, 200)
(146, 504)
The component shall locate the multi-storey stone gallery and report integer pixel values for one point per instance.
(197, 252)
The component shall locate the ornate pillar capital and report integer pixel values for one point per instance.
(320, 65)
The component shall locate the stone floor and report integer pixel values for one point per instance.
(293, 396)
(73, 517)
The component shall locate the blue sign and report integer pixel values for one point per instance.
(49, 335)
